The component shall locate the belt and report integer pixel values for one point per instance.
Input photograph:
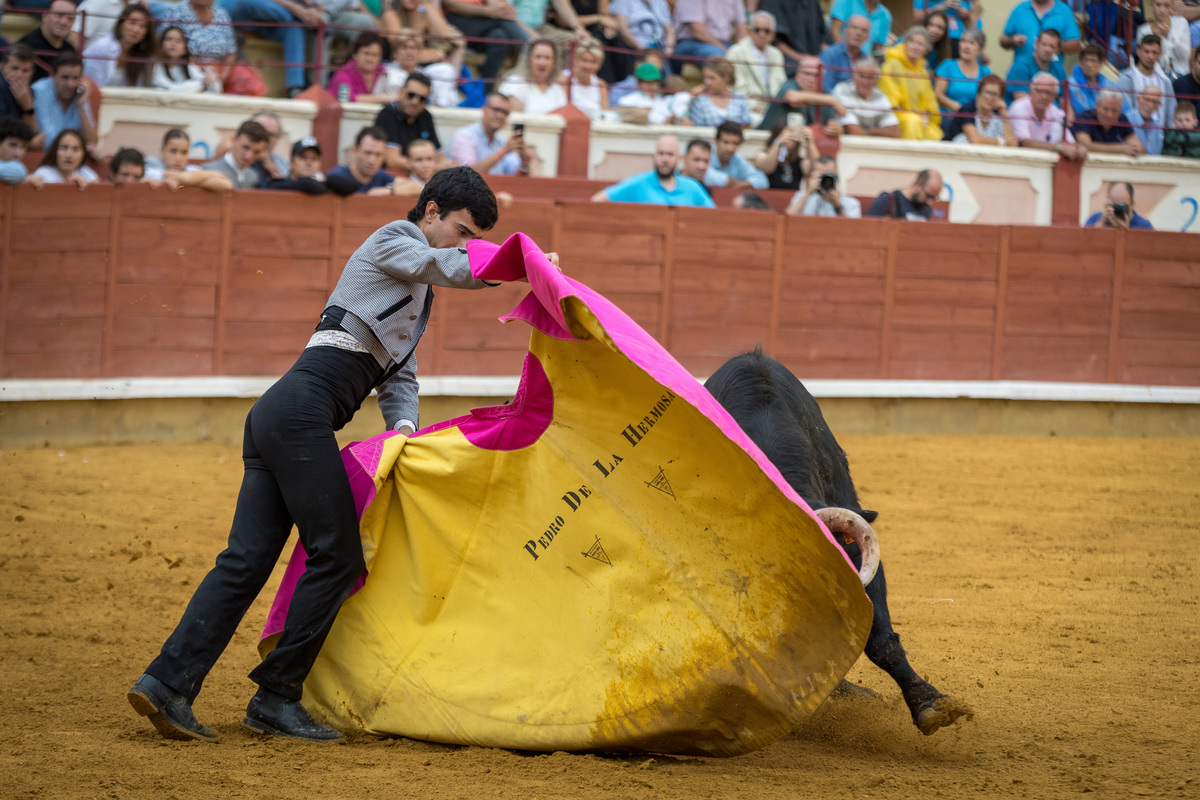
(338, 339)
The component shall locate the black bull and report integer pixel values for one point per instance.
(782, 418)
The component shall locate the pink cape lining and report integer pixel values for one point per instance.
(518, 424)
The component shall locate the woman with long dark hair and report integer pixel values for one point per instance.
(175, 71)
(126, 56)
(63, 162)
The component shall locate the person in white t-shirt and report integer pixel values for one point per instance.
(63, 162)
(534, 90)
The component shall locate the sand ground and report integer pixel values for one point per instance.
(1049, 582)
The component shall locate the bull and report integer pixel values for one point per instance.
(775, 410)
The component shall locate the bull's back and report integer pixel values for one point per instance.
(779, 415)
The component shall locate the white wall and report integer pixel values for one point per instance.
(1166, 190)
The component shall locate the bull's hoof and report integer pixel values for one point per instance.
(848, 689)
(942, 712)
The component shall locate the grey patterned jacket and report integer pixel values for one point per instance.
(386, 292)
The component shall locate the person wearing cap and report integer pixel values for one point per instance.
(480, 145)
(648, 96)
(304, 170)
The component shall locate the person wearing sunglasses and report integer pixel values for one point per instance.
(758, 65)
(406, 119)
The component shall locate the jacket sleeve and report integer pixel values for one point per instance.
(398, 395)
(402, 257)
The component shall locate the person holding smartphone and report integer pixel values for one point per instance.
(481, 146)
(789, 153)
(60, 101)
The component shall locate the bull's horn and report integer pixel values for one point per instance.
(854, 528)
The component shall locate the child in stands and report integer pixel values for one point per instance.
(1183, 139)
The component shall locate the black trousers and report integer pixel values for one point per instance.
(490, 28)
(293, 475)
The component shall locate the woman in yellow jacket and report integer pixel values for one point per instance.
(906, 82)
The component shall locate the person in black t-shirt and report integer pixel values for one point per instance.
(50, 40)
(911, 202)
(406, 119)
(1187, 87)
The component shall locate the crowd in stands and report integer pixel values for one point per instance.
(778, 66)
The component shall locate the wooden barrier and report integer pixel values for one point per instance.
(131, 281)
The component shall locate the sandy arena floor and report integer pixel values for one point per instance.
(1049, 582)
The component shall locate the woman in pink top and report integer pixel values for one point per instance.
(355, 81)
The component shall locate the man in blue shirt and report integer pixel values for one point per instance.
(1141, 117)
(1032, 17)
(729, 167)
(838, 59)
(659, 186)
(60, 101)
(364, 174)
(1044, 58)
(1118, 212)
(873, 10)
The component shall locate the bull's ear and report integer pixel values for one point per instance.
(869, 516)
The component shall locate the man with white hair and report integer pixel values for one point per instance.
(659, 186)
(868, 111)
(1141, 117)
(802, 95)
(1105, 129)
(838, 60)
(758, 65)
(1040, 124)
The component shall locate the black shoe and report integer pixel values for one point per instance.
(277, 715)
(167, 710)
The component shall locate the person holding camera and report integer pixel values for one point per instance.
(1118, 211)
(824, 197)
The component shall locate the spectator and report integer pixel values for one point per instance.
(407, 119)
(802, 96)
(905, 82)
(1189, 85)
(869, 112)
(271, 163)
(1183, 140)
(241, 163)
(481, 147)
(985, 119)
(659, 186)
(16, 96)
(718, 102)
(729, 167)
(61, 100)
(602, 27)
(838, 60)
(49, 40)
(799, 27)
(912, 202)
(750, 201)
(1104, 129)
(280, 18)
(873, 10)
(422, 163)
(585, 90)
(127, 166)
(961, 15)
(304, 170)
(1039, 123)
(788, 156)
(1118, 211)
(494, 21)
(1031, 17)
(126, 56)
(696, 158)
(1044, 58)
(957, 79)
(172, 168)
(1175, 36)
(359, 79)
(704, 29)
(645, 24)
(936, 25)
(209, 34)
(823, 198)
(1141, 116)
(94, 20)
(15, 136)
(1086, 78)
(532, 87)
(364, 173)
(438, 42)
(758, 65)
(63, 162)
(648, 104)
(175, 71)
(1145, 72)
